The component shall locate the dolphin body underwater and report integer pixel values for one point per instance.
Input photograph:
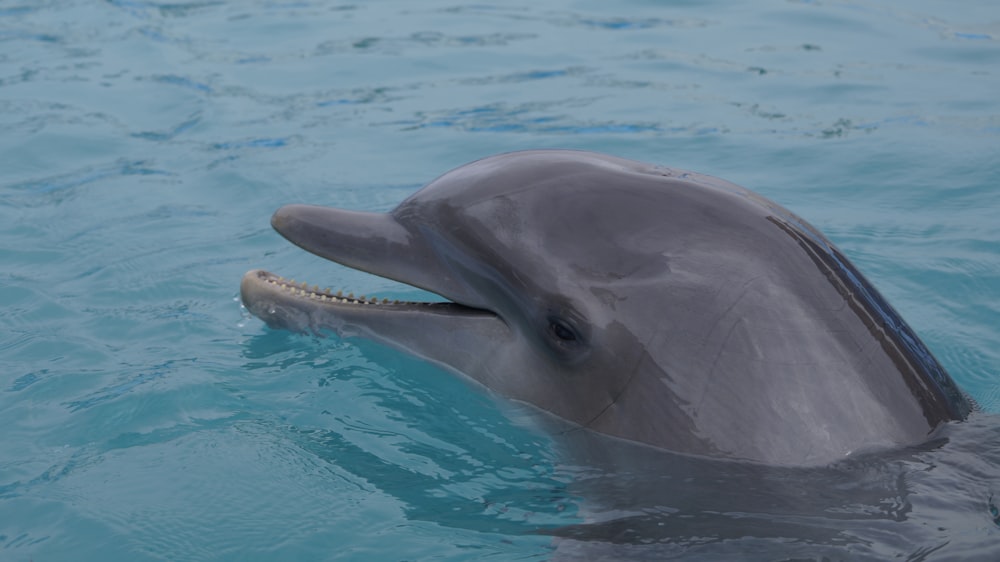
(654, 305)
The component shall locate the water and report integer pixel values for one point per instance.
(143, 146)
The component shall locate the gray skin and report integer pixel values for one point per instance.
(651, 304)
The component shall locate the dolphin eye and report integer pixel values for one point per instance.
(562, 330)
(567, 336)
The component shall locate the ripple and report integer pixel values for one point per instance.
(188, 124)
(528, 76)
(428, 39)
(115, 391)
(14, 11)
(253, 143)
(523, 118)
(56, 189)
(25, 381)
(184, 82)
(144, 9)
(576, 19)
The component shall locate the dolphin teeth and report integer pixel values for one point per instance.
(327, 294)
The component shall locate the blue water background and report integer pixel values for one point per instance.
(144, 145)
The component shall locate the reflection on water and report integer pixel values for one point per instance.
(642, 504)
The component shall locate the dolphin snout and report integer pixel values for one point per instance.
(283, 217)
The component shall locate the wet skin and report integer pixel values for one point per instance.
(651, 304)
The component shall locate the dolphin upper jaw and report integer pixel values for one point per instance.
(375, 243)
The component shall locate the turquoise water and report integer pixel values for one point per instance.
(144, 145)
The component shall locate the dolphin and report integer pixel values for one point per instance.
(650, 304)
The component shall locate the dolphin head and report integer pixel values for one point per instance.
(647, 303)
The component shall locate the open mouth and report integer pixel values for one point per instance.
(370, 242)
(301, 290)
(286, 303)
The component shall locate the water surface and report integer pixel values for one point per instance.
(144, 145)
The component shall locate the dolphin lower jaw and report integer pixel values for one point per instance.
(314, 293)
(261, 290)
(446, 333)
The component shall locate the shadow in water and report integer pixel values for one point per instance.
(914, 504)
